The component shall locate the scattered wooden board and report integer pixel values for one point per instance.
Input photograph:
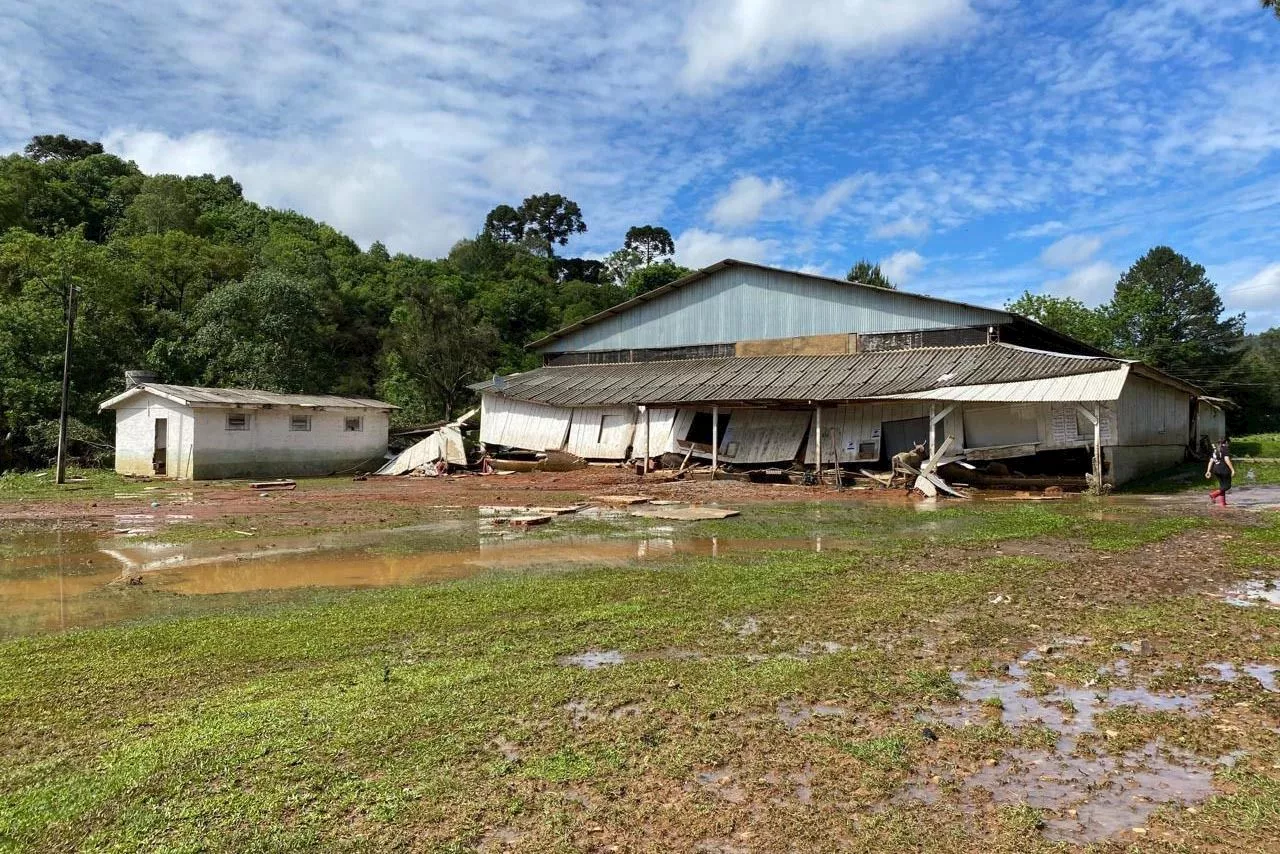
(622, 500)
(272, 484)
(685, 514)
(522, 521)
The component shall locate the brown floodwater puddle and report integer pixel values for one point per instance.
(63, 580)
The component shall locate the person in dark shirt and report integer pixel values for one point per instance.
(1220, 466)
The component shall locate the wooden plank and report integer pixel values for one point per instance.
(622, 500)
(1001, 452)
(685, 514)
(274, 484)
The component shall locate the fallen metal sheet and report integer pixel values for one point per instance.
(685, 514)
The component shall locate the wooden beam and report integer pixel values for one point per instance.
(715, 441)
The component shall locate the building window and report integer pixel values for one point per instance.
(1084, 427)
(354, 424)
(237, 421)
(300, 423)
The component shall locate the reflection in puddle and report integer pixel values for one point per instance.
(592, 659)
(1090, 797)
(1254, 592)
(1264, 673)
(59, 581)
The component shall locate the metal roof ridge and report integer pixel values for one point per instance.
(704, 272)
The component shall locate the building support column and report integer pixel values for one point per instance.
(647, 444)
(715, 441)
(1094, 416)
(817, 414)
(935, 418)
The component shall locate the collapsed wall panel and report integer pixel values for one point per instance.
(755, 436)
(519, 424)
(662, 423)
(602, 433)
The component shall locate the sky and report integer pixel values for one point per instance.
(975, 148)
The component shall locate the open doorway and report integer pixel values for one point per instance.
(160, 456)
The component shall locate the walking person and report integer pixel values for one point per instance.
(1220, 466)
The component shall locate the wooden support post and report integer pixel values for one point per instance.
(647, 446)
(933, 419)
(1095, 417)
(818, 432)
(1097, 446)
(715, 441)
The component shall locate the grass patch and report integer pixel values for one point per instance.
(1257, 445)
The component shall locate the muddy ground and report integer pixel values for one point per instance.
(860, 673)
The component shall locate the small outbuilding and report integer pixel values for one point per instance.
(194, 433)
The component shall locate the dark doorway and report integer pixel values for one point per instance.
(160, 457)
(700, 429)
(899, 436)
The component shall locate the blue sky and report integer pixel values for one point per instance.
(978, 148)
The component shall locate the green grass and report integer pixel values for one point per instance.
(367, 720)
(83, 484)
(1257, 445)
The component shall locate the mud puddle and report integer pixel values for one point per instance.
(1254, 592)
(1089, 794)
(62, 580)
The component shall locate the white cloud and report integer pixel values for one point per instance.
(725, 39)
(1071, 251)
(697, 248)
(1044, 229)
(746, 200)
(834, 197)
(901, 266)
(1261, 290)
(907, 226)
(1091, 284)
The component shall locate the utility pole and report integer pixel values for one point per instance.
(70, 291)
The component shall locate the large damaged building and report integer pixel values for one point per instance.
(745, 366)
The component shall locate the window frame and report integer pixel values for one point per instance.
(305, 417)
(346, 424)
(245, 416)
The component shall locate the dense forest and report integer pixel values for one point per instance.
(184, 276)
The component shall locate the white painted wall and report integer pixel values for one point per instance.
(508, 422)
(135, 436)
(269, 448)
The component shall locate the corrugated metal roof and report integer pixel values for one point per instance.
(767, 302)
(1103, 385)
(197, 396)
(792, 378)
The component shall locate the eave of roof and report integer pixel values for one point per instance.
(782, 380)
(698, 275)
(199, 397)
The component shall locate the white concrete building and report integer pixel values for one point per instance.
(193, 433)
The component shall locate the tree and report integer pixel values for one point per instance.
(1068, 316)
(553, 218)
(866, 273)
(268, 331)
(1167, 313)
(504, 223)
(438, 346)
(1273, 5)
(580, 270)
(654, 276)
(650, 242)
(162, 205)
(60, 147)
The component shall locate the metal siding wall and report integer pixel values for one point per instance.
(745, 304)
(1151, 413)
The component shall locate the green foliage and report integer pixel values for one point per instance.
(266, 332)
(1068, 316)
(1167, 313)
(438, 346)
(866, 273)
(1273, 5)
(182, 275)
(654, 276)
(540, 223)
(650, 242)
